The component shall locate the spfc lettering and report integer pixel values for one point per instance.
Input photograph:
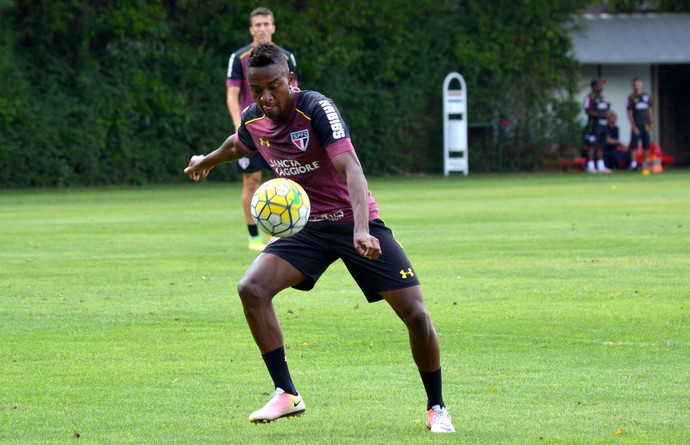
(300, 139)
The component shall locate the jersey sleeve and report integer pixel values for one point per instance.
(330, 127)
(292, 65)
(234, 76)
(585, 103)
(630, 105)
(244, 139)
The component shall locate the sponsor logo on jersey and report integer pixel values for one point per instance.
(333, 119)
(291, 167)
(300, 139)
(265, 142)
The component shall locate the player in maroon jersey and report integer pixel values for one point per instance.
(302, 136)
(238, 97)
(641, 119)
(597, 111)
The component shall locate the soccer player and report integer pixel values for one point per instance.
(261, 27)
(597, 110)
(303, 137)
(641, 119)
(615, 154)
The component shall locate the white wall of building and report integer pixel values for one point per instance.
(618, 87)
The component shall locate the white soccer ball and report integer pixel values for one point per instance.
(280, 207)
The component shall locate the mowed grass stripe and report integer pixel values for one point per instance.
(561, 303)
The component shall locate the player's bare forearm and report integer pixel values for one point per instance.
(200, 166)
(359, 197)
(227, 152)
(348, 165)
(597, 114)
(233, 103)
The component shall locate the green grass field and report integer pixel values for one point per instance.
(561, 302)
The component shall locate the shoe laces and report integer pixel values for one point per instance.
(277, 394)
(440, 416)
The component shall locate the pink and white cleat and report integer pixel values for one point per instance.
(438, 420)
(280, 404)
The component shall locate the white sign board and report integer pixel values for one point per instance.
(455, 155)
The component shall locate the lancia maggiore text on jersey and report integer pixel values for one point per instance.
(291, 167)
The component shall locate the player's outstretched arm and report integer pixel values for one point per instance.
(200, 166)
(348, 165)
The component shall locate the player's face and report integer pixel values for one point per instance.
(262, 28)
(271, 91)
(637, 86)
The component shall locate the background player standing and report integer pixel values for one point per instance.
(261, 27)
(302, 136)
(641, 119)
(597, 110)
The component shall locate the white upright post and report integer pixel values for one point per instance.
(455, 155)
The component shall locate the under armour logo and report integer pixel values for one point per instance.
(264, 142)
(407, 273)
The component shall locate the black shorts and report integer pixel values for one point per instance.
(596, 135)
(251, 163)
(643, 137)
(319, 244)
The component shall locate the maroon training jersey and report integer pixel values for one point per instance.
(301, 148)
(640, 105)
(595, 102)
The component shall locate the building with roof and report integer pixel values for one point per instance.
(653, 47)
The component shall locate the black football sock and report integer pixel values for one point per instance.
(253, 230)
(433, 387)
(278, 368)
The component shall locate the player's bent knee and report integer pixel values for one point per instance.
(251, 292)
(251, 181)
(417, 317)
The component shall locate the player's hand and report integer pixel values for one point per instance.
(367, 246)
(635, 130)
(194, 169)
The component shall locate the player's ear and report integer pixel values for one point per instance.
(291, 78)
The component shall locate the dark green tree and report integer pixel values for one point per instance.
(123, 92)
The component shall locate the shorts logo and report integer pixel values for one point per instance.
(244, 163)
(407, 273)
(300, 139)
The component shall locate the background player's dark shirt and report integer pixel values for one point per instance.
(301, 148)
(613, 133)
(595, 102)
(640, 104)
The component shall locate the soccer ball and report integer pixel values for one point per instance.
(280, 207)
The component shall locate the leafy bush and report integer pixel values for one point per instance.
(100, 92)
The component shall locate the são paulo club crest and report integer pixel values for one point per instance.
(300, 139)
(244, 162)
